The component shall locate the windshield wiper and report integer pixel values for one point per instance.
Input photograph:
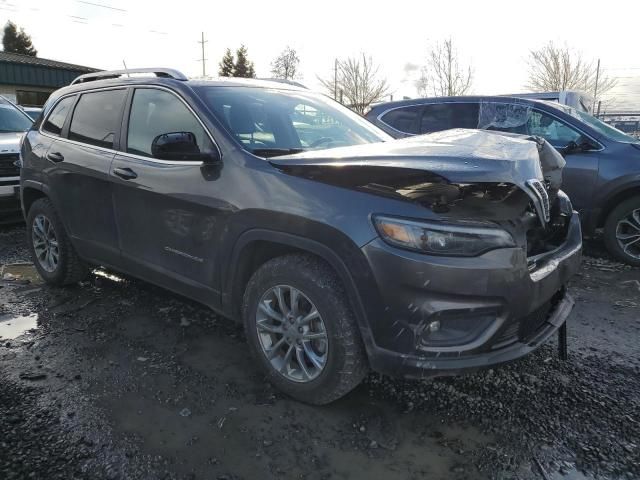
(275, 152)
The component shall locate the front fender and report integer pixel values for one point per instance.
(323, 241)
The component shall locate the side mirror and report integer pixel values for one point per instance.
(569, 148)
(573, 147)
(180, 146)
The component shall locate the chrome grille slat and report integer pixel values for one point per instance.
(542, 195)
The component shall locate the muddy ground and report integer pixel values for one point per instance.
(117, 379)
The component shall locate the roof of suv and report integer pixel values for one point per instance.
(163, 75)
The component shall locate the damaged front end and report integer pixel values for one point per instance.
(504, 180)
(480, 279)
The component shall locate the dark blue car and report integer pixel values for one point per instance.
(602, 175)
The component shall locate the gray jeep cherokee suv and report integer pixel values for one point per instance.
(340, 249)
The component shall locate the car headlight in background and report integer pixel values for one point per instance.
(441, 238)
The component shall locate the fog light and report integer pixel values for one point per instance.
(434, 326)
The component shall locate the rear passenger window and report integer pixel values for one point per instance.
(156, 112)
(58, 115)
(404, 119)
(443, 116)
(96, 118)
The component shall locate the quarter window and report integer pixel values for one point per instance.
(55, 121)
(157, 112)
(96, 118)
(403, 119)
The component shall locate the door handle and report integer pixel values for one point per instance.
(125, 173)
(55, 157)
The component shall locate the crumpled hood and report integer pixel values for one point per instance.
(459, 156)
(10, 142)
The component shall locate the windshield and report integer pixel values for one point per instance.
(12, 119)
(605, 129)
(271, 122)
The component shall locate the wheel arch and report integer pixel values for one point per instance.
(615, 198)
(255, 247)
(30, 192)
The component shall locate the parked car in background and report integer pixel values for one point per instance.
(340, 249)
(13, 125)
(602, 175)
(33, 112)
(571, 98)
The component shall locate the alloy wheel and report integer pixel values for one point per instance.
(45, 243)
(292, 334)
(628, 234)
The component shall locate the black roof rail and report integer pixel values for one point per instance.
(107, 74)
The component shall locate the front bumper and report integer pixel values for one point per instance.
(9, 197)
(9, 187)
(488, 309)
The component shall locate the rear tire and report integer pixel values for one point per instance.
(622, 231)
(330, 365)
(53, 254)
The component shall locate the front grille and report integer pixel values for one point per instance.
(543, 197)
(7, 167)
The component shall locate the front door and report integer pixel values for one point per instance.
(580, 174)
(167, 214)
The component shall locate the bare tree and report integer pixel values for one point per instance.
(357, 83)
(443, 75)
(553, 68)
(285, 65)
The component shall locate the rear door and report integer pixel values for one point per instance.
(167, 213)
(78, 167)
(446, 115)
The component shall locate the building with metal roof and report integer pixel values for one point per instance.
(29, 81)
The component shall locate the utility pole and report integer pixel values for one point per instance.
(202, 42)
(595, 90)
(335, 79)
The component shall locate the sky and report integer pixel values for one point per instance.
(494, 37)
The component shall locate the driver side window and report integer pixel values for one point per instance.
(157, 112)
(555, 132)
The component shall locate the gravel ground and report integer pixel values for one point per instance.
(115, 378)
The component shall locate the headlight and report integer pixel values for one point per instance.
(442, 238)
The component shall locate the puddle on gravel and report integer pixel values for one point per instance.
(20, 271)
(12, 327)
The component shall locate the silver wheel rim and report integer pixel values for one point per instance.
(628, 234)
(292, 334)
(45, 243)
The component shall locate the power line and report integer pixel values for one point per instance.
(101, 5)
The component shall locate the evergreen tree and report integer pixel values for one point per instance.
(14, 41)
(226, 64)
(243, 67)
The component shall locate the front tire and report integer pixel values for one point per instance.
(622, 231)
(53, 254)
(302, 331)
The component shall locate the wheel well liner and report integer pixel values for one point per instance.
(29, 195)
(616, 199)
